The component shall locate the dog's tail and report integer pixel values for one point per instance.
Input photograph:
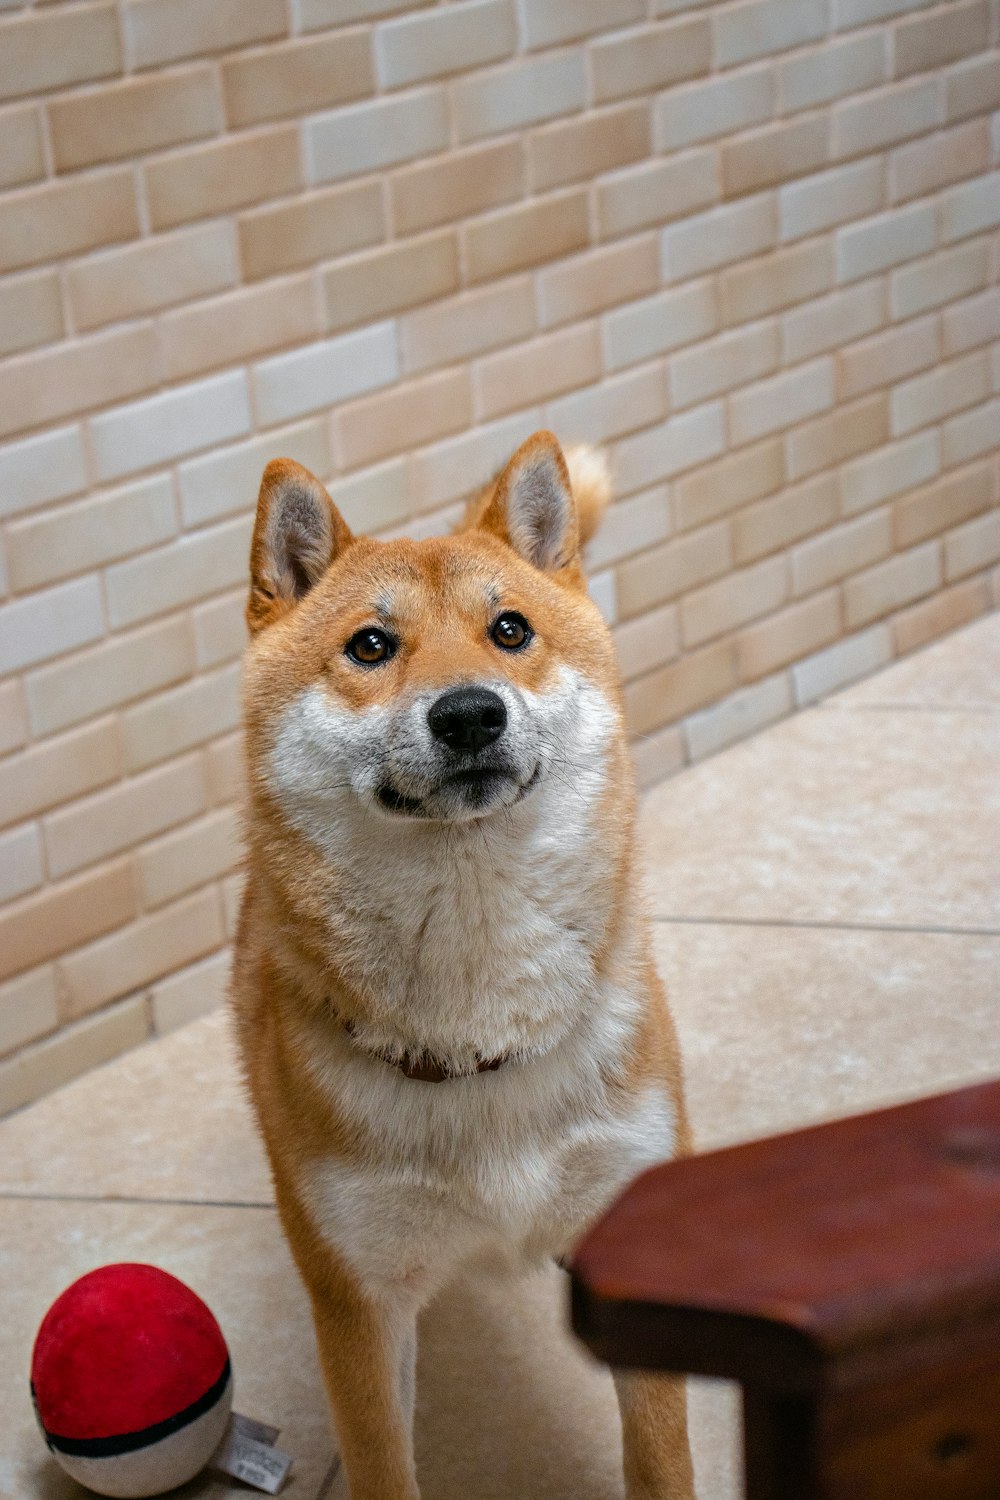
(590, 479)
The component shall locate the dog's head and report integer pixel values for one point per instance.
(438, 681)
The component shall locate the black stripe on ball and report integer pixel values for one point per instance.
(130, 1442)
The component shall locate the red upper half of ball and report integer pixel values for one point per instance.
(121, 1349)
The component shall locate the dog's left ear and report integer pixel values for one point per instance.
(297, 534)
(532, 506)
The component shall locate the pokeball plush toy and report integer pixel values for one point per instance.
(131, 1381)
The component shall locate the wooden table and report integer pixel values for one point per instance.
(847, 1275)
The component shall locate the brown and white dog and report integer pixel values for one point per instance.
(445, 998)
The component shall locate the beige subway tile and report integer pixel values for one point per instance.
(46, 1065)
(93, 681)
(840, 551)
(630, 526)
(744, 712)
(774, 154)
(317, 15)
(297, 77)
(466, 325)
(55, 49)
(13, 718)
(856, 656)
(972, 87)
(201, 181)
(512, 238)
(946, 503)
(655, 192)
(891, 584)
(457, 467)
(535, 371)
(718, 366)
(936, 617)
(29, 1007)
(792, 633)
(147, 950)
(20, 868)
(586, 146)
(30, 311)
(717, 238)
(171, 722)
(220, 631)
(545, 23)
(227, 479)
(781, 401)
(885, 240)
(832, 70)
(232, 898)
(50, 622)
(663, 696)
(110, 821)
(38, 469)
(597, 279)
(655, 756)
(601, 413)
(771, 282)
(971, 434)
(714, 107)
(164, 31)
(88, 534)
(152, 274)
(368, 137)
(70, 377)
(454, 186)
(921, 43)
(136, 115)
(237, 326)
(170, 424)
(971, 208)
(22, 158)
(376, 499)
(225, 768)
(190, 568)
(883, 117)
(942, 277)
(518, 94)
(192, 992)
(719, 489)
(759, 27)
(456, 39)
(649, 641)
(323, 373)
(647, 58)
(973, 321)
(390, 280)
(888, 357)
(850, 13)
(935, 161)
(403, 417)
(852, 429)
(773, 524)
(946, 389)
(741, 596)
(830, 198)
(664, 573)
(315, 227)
(828, 322)
(878, 476)
(60, 916)
(668, 449)
(64, 218)
(972, 546)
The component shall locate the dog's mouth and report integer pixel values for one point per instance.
(478, 786)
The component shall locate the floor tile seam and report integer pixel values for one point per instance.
(329, 1479)
(19, 1195)
(827, 926)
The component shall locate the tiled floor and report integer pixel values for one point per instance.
(827, 903)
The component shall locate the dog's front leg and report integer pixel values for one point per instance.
(654, 1436)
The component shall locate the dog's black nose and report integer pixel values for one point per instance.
(468, 718)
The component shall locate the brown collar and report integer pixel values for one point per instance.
(424, 1071)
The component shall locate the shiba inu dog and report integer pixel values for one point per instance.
(450, 1021)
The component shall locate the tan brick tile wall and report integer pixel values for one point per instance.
(750, 246)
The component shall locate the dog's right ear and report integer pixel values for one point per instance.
(297, 534)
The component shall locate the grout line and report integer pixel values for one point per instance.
(917, 708)
(820, 925)
(14, 1194)
(326, 1487)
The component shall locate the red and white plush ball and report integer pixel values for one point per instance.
(131, 1381)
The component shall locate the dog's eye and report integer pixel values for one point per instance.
(511, 631)
(370, 646)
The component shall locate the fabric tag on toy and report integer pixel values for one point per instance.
(247, 1452)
